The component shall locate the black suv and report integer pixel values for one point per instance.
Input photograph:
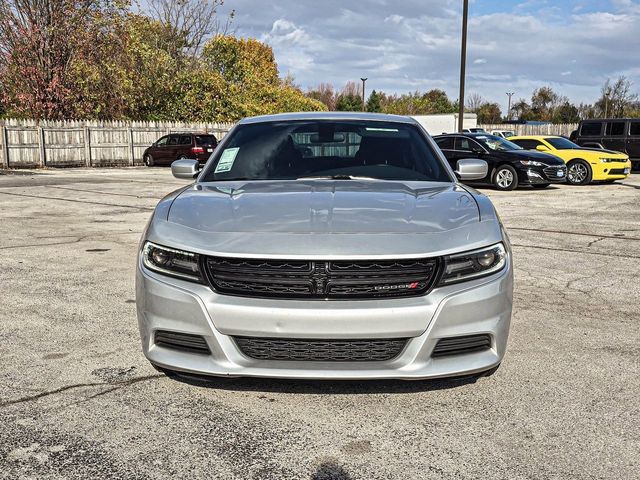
(619, 134)
(509, 164)
(197, 146)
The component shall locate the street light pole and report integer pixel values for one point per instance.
(463, 61)
(509, 94)
(363, 82)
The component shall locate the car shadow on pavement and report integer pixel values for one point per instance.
(334, 387)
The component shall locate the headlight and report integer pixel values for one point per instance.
(475, 264)
(532, 163)
(171, 262)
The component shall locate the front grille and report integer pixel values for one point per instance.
(616, 171)
(321, 279)
(552, 172)
(181, 341)
(320, 350)
(461, 345)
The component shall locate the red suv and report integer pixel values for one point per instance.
(165, 150)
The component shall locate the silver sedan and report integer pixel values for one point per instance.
(325, 245)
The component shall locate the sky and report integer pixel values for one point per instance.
(407, 45)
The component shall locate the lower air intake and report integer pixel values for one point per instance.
(461, 345)
(181, 341)
(321, 350)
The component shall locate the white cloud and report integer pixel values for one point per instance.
(414, 44)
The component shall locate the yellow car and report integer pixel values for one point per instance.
(584, 165)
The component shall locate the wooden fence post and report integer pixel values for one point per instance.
(5, 147)
(131, 152)
(87, 146)
(41, 147)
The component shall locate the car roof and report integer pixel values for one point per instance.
(465, 134)
(283, 117)
(534, 137)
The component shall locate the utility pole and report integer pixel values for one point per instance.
(606, 102)
(509, 94)
(463, 61)
(363, 82)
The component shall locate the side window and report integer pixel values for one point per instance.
(615, 129)
(467, 145)
(162, 141)
(591, 129)
(528, 144)
(445, 143)
(173, 139)
(185, 139)
(634, 129)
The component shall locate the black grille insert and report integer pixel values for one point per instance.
(181, 341)
(321, 350)
(461, 345)
(321, 279)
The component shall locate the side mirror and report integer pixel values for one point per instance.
(186, 169)
(542, 148)
(471, 169)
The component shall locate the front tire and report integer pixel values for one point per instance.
(148, 160)
(579, 172)
(505, 178)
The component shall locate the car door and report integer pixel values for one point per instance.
(185, 143)
(466, 147)
(446, 145)
(590, 132)
(632, 144)
(615, 133)
(171, 150)
(158, 149)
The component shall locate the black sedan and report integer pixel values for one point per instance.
(509, 164)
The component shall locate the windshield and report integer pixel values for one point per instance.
(292, 150)
(561, 143)
(499, 144)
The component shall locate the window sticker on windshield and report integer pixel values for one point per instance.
(227, 158)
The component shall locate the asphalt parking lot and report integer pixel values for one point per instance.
(78, 399)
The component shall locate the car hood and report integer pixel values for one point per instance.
(288, 218)
(548, 158)
(600, 151)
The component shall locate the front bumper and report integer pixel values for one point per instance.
(611, 170)
(542, 175)
(476, 307)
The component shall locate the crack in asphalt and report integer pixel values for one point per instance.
(541, 230)
(75, 239)
(574, 251)
(102, 193)
(77, 201)
(48, 393)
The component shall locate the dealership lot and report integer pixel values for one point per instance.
(78, 399)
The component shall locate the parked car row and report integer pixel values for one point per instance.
(533, 160)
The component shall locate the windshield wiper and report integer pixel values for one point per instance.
(335, 177)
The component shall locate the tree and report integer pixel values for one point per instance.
(43, 46)
(521, 110)
(566, 113)
(324, 93)
(188, 24)
(489, 113)
(350, 99)
(616, 98)
(543, 103)
(373, 103)
(474, 102)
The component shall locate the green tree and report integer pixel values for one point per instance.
(489, 113)
(373, 102)
(349, 102)
(566, 113)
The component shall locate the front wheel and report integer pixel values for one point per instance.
(148, 160)
(579, 172)
(541, 185)
(505, 178)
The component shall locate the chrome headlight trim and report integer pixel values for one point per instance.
(186, 265)
(461, 267)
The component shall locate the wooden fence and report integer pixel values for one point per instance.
(563, 129)
(30, 144)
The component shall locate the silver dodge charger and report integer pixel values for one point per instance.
(326, 246)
